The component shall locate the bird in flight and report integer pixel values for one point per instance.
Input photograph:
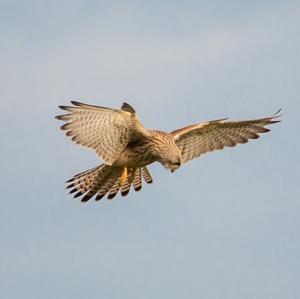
(126, 147)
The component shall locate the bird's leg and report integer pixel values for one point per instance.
(124, 175)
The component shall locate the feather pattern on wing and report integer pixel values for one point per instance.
(106, 131)
(195, 140)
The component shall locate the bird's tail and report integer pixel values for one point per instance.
(105, 179)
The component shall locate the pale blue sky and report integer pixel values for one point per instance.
(223, 226)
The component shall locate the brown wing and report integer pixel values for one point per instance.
(106, 131)
(198, 139)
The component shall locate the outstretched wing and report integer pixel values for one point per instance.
(106, 131)
(198, 139)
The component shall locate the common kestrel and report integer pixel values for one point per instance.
(126, 147)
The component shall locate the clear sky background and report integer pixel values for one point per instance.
(223, 226)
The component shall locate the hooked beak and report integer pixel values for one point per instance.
(175, 166)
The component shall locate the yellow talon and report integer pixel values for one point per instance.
(124, 176)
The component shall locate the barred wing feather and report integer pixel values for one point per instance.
(195, 140)
(106, 131)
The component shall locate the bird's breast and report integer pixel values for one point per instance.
(135, 156)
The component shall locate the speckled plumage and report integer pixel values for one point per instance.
(126, 147)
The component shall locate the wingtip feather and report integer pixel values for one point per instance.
(127, 107)
(76, 103)
(277, 114)
(63, 107)
(79, 193)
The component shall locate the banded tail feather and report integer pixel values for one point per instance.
(106, 180)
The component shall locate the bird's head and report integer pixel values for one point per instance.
(172, 158)
(165, 150)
